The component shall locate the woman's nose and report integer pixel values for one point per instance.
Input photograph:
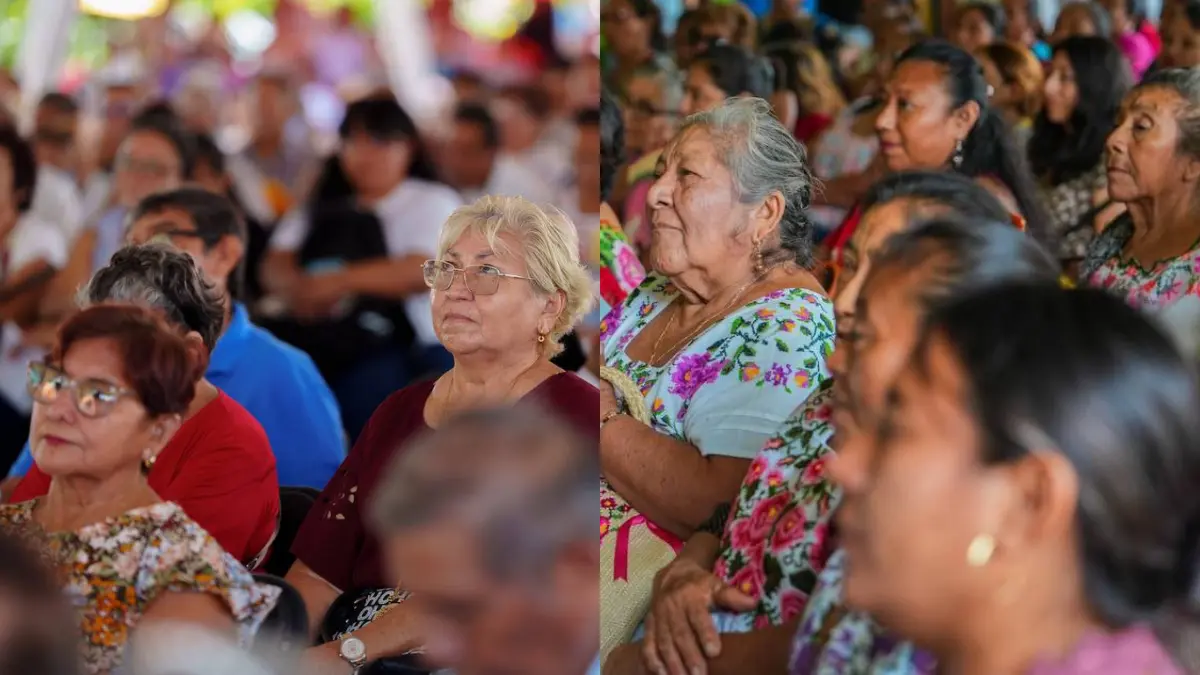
(659, 195)
(885, 119)
(1115, 144)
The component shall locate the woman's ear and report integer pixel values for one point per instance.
(1044, 491)
(225, 255)
(966, 117)
(556, 303)
(163, 430)
(767, 216)
(1191, 170)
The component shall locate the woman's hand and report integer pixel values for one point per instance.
(680, 633)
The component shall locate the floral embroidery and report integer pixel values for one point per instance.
(774, 542)
(113, 570)
(1163, 284)
(620, 270)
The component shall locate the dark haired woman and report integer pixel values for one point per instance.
(760, 576)
(620, 270)
(1181, 36)
(1025, 27)
(348, 267)
(1058, 551)
(107, 401)
(1132, 34)
(1088, 79)
(935, 115)
(635, 39)
(978, 25)
(1015, 77)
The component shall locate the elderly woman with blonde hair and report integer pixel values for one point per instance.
(507, 285)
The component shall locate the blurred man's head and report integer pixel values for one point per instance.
(55, 128)
(490, 522)
(121, 103)
(276, 102)
(37, 634)
(471, 153)
(521, 113)
(202, 224)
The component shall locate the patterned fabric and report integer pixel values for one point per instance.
(1134, 650)
(1066, 203)
(834, 641)
(640, 177)
(620, 269)
(774, 543)
(1159, 286)
(729, 389)
(113, 570)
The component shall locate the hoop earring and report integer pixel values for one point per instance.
(980, 550)
(760, 268)
(957, 159)
(541, 338)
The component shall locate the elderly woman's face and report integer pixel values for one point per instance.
(916, 462)
(649, 123)
(1142, 151)
(917, 126)
(65, 442)
(512, 317)
(696, 219)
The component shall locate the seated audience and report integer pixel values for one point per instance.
(1149, 255)
(1059, 551)
(507, 285)
(107, 402)
(530, 595)
(1181, 36)
(218, 466)
(474, 166)
(57, 199)
(1016, 78)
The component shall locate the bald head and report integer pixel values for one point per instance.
(525, 484)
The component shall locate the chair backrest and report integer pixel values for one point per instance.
(287, 624)
(294, 505)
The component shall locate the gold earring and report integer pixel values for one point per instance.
(541, 338)
(979, 552)
(759, 267)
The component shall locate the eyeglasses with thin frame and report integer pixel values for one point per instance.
(480, 279)
(92, 398)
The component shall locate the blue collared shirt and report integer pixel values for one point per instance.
(279, 385)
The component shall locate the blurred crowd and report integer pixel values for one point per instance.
(899, 372)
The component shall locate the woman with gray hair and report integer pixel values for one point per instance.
(725, 339)
(507, 285)
(1150, 254)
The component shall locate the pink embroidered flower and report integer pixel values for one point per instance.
(788, 531)
(765, 514)
(791, 604)
(603, 526)
(757, 466)
(773, 443)
(804, 314)
(774, 479)
(608, 503)
(693, 372)
(787, 325)
(740, 538)
(632, 274)
(815, 472)
(749, 580)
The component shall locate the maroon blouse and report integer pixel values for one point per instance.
(334, 541)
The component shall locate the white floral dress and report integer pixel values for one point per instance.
(1150, 288)
(729, 390)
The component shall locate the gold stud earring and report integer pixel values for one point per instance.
(979, 552)
(541, 338)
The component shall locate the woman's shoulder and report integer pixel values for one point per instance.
(573, 398)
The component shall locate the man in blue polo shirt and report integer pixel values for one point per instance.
(276, 382)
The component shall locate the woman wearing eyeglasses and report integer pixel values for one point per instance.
(106, 402)
(507, 285)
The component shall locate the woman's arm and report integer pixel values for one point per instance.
(668, 481)
(394, 633)
(318, 594)
(280, 271)
(197, 609)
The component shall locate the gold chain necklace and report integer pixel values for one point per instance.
(656, 355)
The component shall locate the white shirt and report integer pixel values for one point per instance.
(512, 179)
(412, 217)
(57, 200)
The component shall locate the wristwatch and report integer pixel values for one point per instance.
(354, 652)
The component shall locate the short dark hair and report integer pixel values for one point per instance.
(24, 166)
(526, 498)
(481, 117)
(60, 103)
(534, 99)
(208, 153)
(169, 127)
(380, 116)
(159, 276)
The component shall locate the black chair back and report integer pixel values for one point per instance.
(294, 505)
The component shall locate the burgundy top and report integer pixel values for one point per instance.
(334, 541)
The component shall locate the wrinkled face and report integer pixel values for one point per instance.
(974, 31)
(1181, 42)
(1061, 90)
(146, 163)
(1143, 160)
(374, 166)
(628, 35)
(1073, 21)
(917, 127)
(700, 93)
(510, 318)
(217, 260)
(467, 160)
(474, 623)
(649, 122)
(65, 443)
(696, 219)
(915, 463)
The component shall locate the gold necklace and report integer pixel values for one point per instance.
(656, 355)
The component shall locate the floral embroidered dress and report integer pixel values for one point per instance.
(1159, 286)
(113, 570)
(774, 543)
(620, 269)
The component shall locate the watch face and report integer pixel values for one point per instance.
(353, 649)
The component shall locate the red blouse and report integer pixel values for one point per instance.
(219, 467)
(334, 541)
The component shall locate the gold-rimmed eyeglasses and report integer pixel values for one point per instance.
(480, 279)
(92, 398)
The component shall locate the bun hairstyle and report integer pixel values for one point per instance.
(160, 363)
(989, 149)
(1085, 375)
(736, 70)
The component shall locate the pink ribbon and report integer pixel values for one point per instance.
(621, 557)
